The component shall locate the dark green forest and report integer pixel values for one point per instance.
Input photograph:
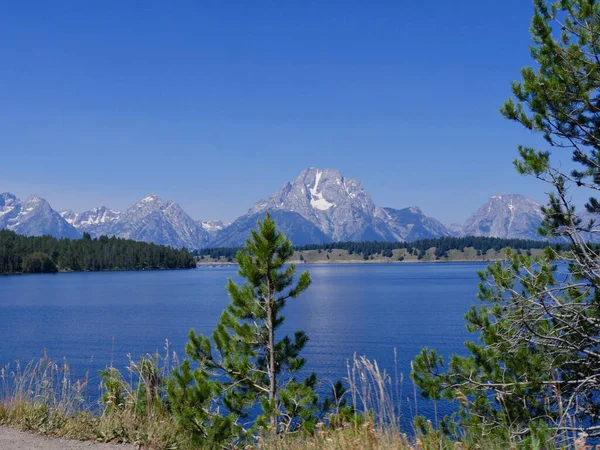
(366, 249)
(46, 254)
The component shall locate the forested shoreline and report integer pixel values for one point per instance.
(46, 254)
(364, 250)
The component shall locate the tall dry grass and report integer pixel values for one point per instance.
(42, 397)
(43, 381)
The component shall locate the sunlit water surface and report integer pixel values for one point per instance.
(93, 319)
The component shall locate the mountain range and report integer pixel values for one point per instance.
(320, 205)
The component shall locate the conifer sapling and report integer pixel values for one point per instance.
(246, 377)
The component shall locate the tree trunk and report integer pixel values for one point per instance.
(271, 330)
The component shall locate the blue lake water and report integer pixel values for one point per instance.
(92, 319)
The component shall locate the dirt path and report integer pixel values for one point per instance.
(11, 439)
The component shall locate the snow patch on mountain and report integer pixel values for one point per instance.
(317, 201)
(150, 198)
(68, 215)
(212, 227)
(320, 205)
(95, 221)
(340, 208)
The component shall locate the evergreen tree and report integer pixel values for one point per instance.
(481, 244)
(535, 369)
(47, 254)
(38, 263)
(246, 374)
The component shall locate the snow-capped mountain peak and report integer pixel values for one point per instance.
(320, 205)
(506, 216)
(151, 201)
(33, 217)
(8, 202)
(103, 215)
(153, 219)
(150, 198)
(338, 207)
(95, 221)
(34, 199)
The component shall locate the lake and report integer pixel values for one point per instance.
(92, 319)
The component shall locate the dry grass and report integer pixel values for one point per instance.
(367, 437)
(377, 396)
(41, 397)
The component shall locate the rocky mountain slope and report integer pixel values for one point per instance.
(161, 222)
(339, 208)
(506, 216)
(96, 221)
(33, 217)
(455, 229)
(410, 224)
(150, 220)
(212, 227)
(299, 230)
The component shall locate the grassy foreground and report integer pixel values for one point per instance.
(161, 433)
(41, 397)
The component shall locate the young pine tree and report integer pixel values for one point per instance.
(245, 379)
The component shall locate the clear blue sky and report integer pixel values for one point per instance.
(216, 104)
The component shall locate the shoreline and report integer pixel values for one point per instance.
(376, 255)
(359, 261)
(95, 271)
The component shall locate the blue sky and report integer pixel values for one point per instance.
(217, 104)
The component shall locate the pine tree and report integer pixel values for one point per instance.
(246, 374)
(47, 254)
(535, 367)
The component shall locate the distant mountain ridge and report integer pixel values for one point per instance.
(153, 219)
(505, 216)
(319, 206)
(299, 230)
(339, 208)
(96, 221)
(33, 217)
(212, 227)
(411, 224)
